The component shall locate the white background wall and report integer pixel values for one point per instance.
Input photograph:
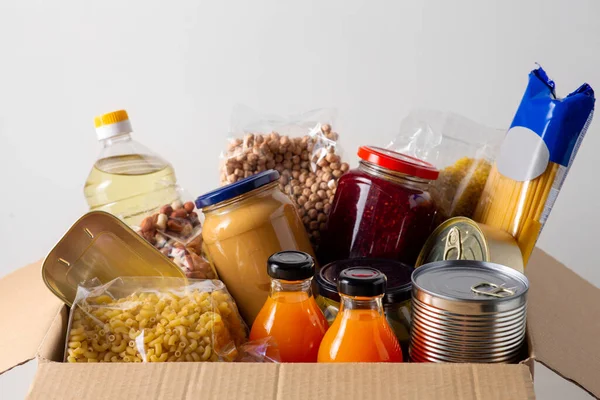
(178, 67)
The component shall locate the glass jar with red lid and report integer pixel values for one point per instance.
(381, 209)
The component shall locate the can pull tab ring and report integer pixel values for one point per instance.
(491, 289)
(453, 242)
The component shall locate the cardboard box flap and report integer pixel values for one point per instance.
(281, 381)
(28, 309)
(563, 319)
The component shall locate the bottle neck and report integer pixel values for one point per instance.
(350, 303)
(124, 137)
(279, 285)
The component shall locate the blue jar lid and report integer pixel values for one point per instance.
(237, 188)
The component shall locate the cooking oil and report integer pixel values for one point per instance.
(127, 180)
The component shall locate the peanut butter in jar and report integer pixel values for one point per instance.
(245, 223)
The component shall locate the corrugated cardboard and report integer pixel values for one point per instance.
(281, 381)
(563, 324)
(563, 317)
(29, 309)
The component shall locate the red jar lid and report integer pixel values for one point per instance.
(398, 162)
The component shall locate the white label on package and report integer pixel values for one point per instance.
(523, 155)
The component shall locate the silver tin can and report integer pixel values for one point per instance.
(468, 311)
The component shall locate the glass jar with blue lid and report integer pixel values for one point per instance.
(245, 223)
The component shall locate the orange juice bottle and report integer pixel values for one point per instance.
(360, 332)
(291, 315)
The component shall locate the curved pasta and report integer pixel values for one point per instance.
(153, 327)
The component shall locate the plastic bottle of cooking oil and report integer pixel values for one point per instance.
(127, 180)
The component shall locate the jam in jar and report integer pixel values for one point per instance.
(381, 209)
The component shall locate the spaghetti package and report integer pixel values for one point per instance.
(534, 159)
(461, 149)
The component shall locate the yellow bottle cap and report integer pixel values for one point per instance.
(111, 118)
(112, 124)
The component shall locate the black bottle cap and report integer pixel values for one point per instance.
(361, 281)
(398, 285)
(291, 266)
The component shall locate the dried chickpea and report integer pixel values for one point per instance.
(309, 171)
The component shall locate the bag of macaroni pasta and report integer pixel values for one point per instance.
(304, 149)
(461, 149)
(536, 155)
(148, 319)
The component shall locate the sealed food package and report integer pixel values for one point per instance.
(149, 319)
(466, 311)
(461, 149)
(128, 179)
(535, 157)
(245, 223)
(304, 150)
(176, 230)
(382, 209)
(291, 315)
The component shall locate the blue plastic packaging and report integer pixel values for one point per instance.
(561, 123)
(534, 159)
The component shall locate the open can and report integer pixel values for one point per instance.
(461, 238)
(100, 246)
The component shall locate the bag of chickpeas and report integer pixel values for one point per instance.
(152, 319)
(461, 149)
(303, 148)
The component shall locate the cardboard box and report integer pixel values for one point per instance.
(563, 332)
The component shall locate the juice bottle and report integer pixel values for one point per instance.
(127, 180)
(291, 315)
(360, 332)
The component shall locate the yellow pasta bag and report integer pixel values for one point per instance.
(151, 319)
(534, 159)
(461, 149)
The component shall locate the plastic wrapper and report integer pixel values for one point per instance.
(176, 230)
(536, 155)
(149, 319)
(263, 350)
(303, 148)
(461, 149)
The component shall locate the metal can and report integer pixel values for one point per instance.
(461, 238)
(100, 246)
(467, 311)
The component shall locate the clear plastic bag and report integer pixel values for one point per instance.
(263, 350)
(148, 319)
(303, 148)
(461, 149)
(176, 230)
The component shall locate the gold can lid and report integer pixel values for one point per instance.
(101, 247)
(458, 238)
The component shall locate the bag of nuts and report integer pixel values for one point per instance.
(303, 149)
(176, 231)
